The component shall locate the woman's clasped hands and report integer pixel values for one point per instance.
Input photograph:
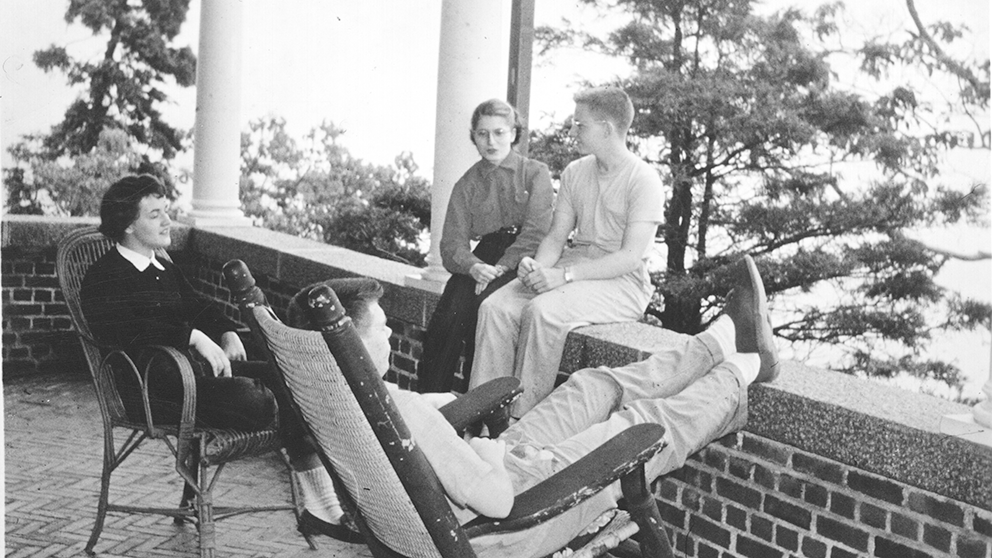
(484, 274)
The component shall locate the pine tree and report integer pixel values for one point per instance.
(744, 119)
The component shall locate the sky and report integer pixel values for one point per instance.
(370, 66)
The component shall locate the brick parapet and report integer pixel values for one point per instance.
(827, 466)
(755, 497)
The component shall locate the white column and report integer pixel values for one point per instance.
(472, 63)
(977, 425)
(217, 131)
(982, 412)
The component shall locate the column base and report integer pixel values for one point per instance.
(432, 279)
(216, 219)
(982, 413)
(966, 427)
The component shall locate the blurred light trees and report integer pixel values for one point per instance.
(744, 117)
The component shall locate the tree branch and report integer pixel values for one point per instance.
(976, 256)
(953, 65)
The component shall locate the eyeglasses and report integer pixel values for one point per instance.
(498, 133)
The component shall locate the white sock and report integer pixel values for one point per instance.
(725, 333)
(317, 493)
(747, 363)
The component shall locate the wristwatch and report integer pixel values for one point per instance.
(568, 274)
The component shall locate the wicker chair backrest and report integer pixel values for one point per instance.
(328, 405)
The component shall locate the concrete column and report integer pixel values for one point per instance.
(977, 425)
(217, 131)
(982, 411)
(472, 67)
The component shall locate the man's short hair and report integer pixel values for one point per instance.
(119, 207)
(356, 294)
(496, 107)
(609, 103)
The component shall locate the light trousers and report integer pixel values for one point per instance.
(521, 333)
(686, 388)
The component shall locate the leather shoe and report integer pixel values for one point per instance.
(311, 525)
(748, 308)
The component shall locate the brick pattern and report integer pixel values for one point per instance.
(754, 497)
(37, 331)
(53, 444)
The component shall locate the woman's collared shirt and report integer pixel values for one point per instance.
(515, 193)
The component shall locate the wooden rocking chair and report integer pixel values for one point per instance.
(397, 500)
(196, 449)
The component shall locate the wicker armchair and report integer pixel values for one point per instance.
(397, 500)
(196, 450)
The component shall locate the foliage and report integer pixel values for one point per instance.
(318, 190)
(73, 187)
(116, 127)
(126, 85)
(742, 115)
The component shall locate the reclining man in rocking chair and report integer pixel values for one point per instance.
(696, 388)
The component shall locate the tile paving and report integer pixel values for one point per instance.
(53, 440)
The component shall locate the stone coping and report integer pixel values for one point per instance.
(881, 429)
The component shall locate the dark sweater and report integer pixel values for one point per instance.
(129, 308)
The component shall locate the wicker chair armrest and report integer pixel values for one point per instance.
(181, 364)
(481, 403)
(623, 454)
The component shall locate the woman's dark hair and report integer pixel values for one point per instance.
(119, 207)
(356, 294)
(496, 107)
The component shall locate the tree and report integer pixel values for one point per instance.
(124, 89)
(126, 85)
(319, 191)
(75, 189)
(743, 117)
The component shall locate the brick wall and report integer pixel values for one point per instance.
(808, 477)
(37, 332)
(750, 496)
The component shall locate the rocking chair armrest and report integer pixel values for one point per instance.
(482, 402)
(624, 453)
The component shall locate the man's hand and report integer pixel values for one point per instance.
(211, 352)
(527, 264)
(230, 341)
(544, 279)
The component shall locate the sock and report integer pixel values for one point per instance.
(725, 333)
(317, 493)
(747, 363)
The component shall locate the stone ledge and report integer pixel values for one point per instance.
(881, 429)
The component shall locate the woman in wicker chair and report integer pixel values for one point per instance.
(134, 299)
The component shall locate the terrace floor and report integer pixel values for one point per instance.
(53, 441)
